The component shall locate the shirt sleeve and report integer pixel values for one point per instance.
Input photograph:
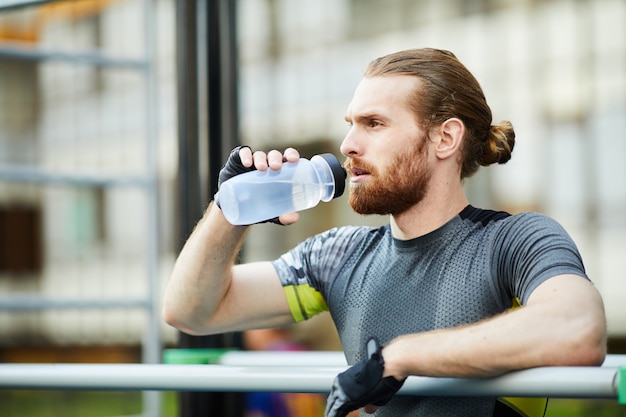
(530, 249)
(308, 270)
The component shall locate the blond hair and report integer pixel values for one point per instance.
(449, 90)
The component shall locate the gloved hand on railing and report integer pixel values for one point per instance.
(362, 384)
(233, 167)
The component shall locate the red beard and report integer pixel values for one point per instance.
(396, 189)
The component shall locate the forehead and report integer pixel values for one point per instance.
(382, 95)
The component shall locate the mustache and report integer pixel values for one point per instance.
(356, 164)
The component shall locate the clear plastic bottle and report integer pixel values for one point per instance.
(261, 195)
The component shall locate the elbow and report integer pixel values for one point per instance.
(586, 333)
(596, 352)
(592, 355)
(599, 357)
(590, 348)
(172, 317)
(577, 342)
(597, 341)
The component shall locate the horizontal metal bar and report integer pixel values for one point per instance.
(244, 358)
(323, 358)
(615, 361)
(22, 53)
(21, 173)
(14, 4)
(556, 382)
(34, 304)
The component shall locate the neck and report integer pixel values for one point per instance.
(439, 206)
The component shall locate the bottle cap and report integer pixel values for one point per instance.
(339, 173)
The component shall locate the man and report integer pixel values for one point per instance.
(434, 288)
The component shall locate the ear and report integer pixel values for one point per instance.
(450, 134)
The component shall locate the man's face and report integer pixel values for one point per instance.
(386, 150)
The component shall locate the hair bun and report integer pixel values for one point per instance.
(499, 145)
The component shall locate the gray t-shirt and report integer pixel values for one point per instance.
(471, 268)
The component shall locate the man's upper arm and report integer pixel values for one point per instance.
(571, 308)
(567, 290)
(531, 248)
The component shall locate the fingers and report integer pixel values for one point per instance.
(245, 154)
(336, 403)
(272, 159)
(289, 218)
(275, 159)
(291, 155)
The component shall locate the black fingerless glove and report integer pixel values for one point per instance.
(232, 168)
(362, 384)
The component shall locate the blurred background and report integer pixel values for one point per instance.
(115, 116)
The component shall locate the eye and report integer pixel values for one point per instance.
(374, 123)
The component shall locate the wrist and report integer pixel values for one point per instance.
(214, 216)
(394, 361)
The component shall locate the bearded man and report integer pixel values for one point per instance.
(431, 292)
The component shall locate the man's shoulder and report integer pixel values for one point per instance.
(353, 232)
(483, 216)
(528, 226)
(491, 217)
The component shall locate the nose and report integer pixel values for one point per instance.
(350, 145)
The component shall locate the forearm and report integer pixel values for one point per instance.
(549, 332)
(480, 350)
(202, 272)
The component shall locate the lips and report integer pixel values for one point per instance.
(358, 172)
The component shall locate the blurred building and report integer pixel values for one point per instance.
(85, 153)
(555, 69)
(88, 167)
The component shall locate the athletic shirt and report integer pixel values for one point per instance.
(473, 267)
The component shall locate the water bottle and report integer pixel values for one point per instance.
(261, 195)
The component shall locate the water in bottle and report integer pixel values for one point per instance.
(261, 195)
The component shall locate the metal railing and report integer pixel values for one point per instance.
(310, 372)
(305, 372)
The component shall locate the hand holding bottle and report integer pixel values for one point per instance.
(234, 166)
(242, 160)
(258, 187)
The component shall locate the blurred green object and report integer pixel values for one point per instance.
(30, 403)
(621, 385)
(193, 356)
(559, 407)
